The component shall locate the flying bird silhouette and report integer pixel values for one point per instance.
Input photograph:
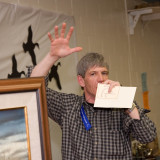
(15, 73)
(54, 74)
(30, 46)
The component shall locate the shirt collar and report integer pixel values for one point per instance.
(86, 105)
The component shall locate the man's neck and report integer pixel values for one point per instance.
(90, 99)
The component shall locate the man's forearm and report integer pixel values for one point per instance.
(44, 66)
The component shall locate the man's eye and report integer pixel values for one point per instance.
(92, 74)
(105, 73)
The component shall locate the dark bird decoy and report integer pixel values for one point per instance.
(29, 46)
(54, 74)
(15, 73)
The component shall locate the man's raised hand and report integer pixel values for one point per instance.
(60, 44)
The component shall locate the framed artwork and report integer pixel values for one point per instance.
(24, 120)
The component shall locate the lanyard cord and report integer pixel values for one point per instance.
(85, 119)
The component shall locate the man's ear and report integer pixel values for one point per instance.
(80, 81)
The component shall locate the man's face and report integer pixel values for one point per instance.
(93, 76)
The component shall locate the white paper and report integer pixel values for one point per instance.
(120, 97)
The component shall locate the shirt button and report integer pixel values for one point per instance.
(95, 128)
(95, 158)
(95, 142)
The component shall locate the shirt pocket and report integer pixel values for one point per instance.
(115, 143)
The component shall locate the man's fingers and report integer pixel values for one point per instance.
(50, 37)
(76, 49)
(63, 30)
(110, 88)
(112, 84)
(56, 32)
(69, 33)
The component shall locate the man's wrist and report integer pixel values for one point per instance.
(129, 110)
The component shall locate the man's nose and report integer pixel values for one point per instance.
(100, 78)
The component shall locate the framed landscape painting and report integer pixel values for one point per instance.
(24, 128)
(14, 135)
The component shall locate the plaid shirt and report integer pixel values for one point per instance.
(109, 136)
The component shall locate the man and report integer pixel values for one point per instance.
(88, 132)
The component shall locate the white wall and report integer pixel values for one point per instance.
(102, 26)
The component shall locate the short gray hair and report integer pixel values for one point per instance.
(90, 60)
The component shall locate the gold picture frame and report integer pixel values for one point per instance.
(29, 92)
